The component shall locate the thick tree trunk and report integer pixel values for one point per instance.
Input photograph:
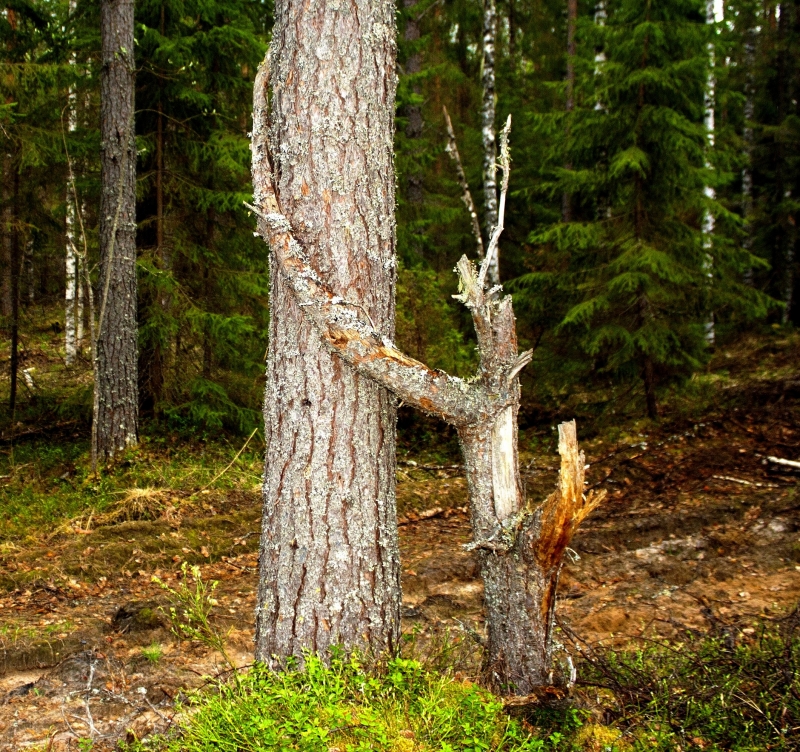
(116, 392)
(521, 548)
(329, 565)
(488, 132)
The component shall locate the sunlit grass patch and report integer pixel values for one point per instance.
(345, 707)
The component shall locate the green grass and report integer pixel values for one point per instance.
(404, 707)
(43, 485)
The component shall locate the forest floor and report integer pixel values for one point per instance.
(700, 531)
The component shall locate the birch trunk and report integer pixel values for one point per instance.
(71, 282)
(521, 548)
(71, 256)
(488, 132)
(116, 394)
(329, 564)
(714, 15)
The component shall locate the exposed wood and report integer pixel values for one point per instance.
(785, 463)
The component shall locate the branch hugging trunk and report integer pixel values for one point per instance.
(520, 547)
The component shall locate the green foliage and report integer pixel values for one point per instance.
(203, 276)
(49, 483)
(347, 707)
(627, 285)
(153, 652)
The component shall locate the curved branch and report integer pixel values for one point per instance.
(355, 340)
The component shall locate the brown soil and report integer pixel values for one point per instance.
(699, 529)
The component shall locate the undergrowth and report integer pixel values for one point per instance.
(731, 690)
(44, 485)
(347, 707)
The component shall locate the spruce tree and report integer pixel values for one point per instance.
(203, 284)
(631, 271)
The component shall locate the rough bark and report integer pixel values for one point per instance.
(488, 132)
(116, 393)
(329, 563)
(521, 548)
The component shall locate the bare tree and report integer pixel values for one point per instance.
(329, 566)
(116, 393)
(520, 547)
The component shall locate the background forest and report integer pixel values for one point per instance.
(651, 248)
(650, 219)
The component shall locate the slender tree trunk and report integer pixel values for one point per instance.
(747, 139)
(116, 392)
(572, 20)
(71, 282)
(71, 256)
(329, 564)
(714, 14)
(29, 272)
(16, 269)
(488, 132)
(5, 240)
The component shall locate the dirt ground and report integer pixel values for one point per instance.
(700, 528)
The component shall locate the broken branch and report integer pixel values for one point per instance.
(466, 195)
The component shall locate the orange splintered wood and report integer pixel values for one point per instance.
(566, 507)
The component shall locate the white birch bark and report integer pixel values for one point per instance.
(72, 273)
(488, 132)
(714, 15)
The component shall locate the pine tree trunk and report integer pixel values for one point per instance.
(116, 392)
(488, 132)
(521, 548)
(329, 565)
